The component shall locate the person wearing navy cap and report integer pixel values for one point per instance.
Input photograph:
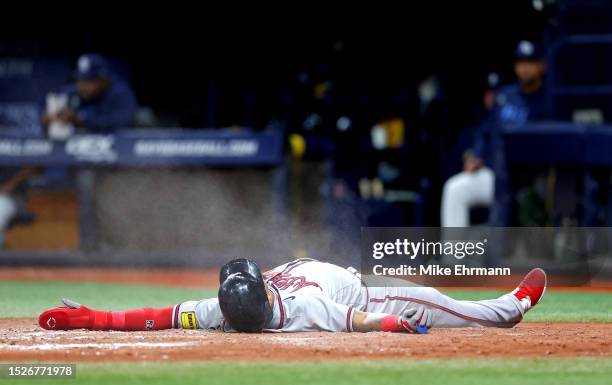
(484, 179)
(97, 101)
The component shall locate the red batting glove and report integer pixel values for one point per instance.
(71, 316)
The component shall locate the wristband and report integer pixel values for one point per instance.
(391, 323)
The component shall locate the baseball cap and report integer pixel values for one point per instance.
(528, 50)
(91, 66)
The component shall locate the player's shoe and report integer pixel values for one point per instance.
(71, 316)
(531, 289)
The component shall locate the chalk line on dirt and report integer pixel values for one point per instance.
(90, 345)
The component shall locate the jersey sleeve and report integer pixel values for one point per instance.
(320, 313)
(117, 110)
(204, 314)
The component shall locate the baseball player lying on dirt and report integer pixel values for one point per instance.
(308, 295)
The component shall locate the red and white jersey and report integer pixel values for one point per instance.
(314, 296)
(317, 296)
(309, 296)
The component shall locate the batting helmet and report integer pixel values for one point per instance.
(240, 265)
(242, 296)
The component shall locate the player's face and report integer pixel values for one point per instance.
(529, 71)
(270, 295)
(488, 99)
(91, 89)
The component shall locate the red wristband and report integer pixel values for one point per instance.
(391, 324)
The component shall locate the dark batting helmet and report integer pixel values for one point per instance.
(240, 265)
(242, 296)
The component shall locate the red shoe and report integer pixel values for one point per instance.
(71, 316)
(531, 289)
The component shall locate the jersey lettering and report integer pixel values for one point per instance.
(285, 281)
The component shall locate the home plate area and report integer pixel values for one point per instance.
(23, 340)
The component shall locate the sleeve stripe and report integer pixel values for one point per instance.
(281, 322)
(175, 324)
(349, 319)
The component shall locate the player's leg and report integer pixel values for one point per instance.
(463, 191)
(505, 311)
(447, 312)
(8, 208)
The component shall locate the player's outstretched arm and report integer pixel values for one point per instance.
(76, 316)
(413, 320)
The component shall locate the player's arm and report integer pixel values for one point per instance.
(76, 316)
(413, 320)
(204, 314)
(321, 313)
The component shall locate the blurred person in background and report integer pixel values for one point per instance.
(12, 198)
(97, 101)
(515, 104)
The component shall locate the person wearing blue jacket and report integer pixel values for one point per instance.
(484, 165)
(98, 102)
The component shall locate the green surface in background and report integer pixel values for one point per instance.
(28, 299)
(583, 371)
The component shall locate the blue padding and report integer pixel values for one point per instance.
(172, 147)
(559, 142)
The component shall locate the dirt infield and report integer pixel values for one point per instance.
(23, 340)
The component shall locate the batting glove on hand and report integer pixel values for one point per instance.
(71, 316)
(416, 320)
